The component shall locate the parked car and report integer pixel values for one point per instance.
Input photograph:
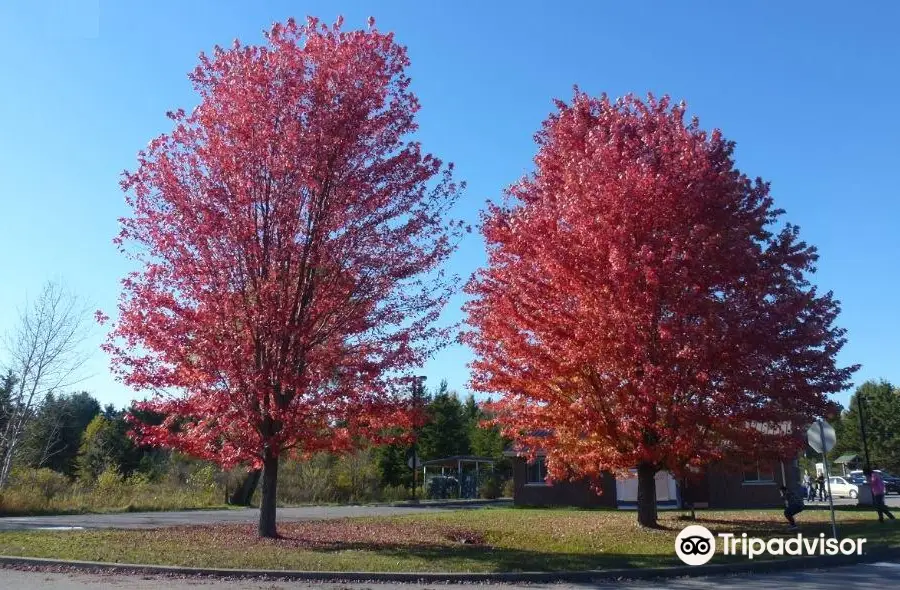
(843, 487)
(891, 482)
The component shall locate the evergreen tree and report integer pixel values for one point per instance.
(54, 436)
(881, 408)
(106, 444)
(446, 432)
(486, 440)
(392, 464)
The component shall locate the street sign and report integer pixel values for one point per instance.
(414, 462)
(821, 437)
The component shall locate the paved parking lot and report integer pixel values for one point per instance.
(892, 501)
(139, 520)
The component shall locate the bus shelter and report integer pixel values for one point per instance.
(459, 476)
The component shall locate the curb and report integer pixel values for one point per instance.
(743, 567)
(445, 503)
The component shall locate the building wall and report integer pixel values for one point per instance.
(666, 490)
(727, 488)
(560, 493)
(719, 488)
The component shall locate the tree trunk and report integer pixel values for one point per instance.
(269, 490)
(686, 500)
(243, 494)
(6, 460)
(646, 500)
(5, 467)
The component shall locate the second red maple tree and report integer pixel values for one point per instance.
(641, 310)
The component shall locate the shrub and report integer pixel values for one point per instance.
(110, 479)
(489, 487)
(139, 480)
(203, 479)
(509, 488)
(307, 482)
(44, 491)
(394, 493)
(357, 478)
(45, 482)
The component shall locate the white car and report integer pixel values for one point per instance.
(841, 487)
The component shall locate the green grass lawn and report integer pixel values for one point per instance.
(485, 540)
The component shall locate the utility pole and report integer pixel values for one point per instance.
(862, 428)
(417, 387)
(825, 450)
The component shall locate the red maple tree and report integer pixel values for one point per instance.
(290, 241)
(639, 309)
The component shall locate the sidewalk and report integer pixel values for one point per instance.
(575, 577)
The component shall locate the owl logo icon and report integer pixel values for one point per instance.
(695, 545)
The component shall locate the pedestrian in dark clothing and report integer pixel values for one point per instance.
(820, 484)
(793, 505)
(877, 483)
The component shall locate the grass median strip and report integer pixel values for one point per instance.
(485, 540)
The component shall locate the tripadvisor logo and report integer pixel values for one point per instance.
(695, 545)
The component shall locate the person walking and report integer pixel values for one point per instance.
(807, 485)
(820, 485)
(793, 505)
(877, 484)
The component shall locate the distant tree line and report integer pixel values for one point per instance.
(72, 435)
(881, 411)
(452, 427)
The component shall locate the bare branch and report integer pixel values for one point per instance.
(46, 352)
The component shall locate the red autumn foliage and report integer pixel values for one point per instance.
(290, 239)
(640, 308)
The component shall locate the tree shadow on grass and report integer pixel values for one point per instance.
(500, 559)
(479, 556)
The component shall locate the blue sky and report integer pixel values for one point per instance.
(807, 89)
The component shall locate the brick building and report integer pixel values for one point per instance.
(756, 486)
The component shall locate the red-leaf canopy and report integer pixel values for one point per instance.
(639, 307)
(290, 239)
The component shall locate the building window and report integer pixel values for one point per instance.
(759, 473)
(536, 472)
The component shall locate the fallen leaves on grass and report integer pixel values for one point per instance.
(474, 541)
(334, 535)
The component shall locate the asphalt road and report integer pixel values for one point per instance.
(144, 520)
(859, 577)
(891, 501)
